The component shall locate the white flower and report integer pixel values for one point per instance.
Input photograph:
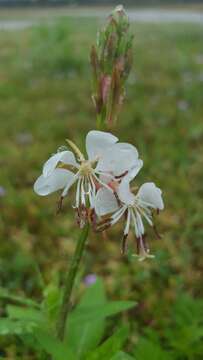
(134, 207)
(106, 159)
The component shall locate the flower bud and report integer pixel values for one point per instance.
(121, 18)
(111, 61)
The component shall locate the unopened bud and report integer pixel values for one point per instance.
(111, 61)
(121, 18)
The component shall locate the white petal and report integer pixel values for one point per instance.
(105, 202)
(97, 142)
(151, 195)
(118, 159)
(71, 181)
(124, 193)
(134, 171)
(66, 157)
(106, 178)
(58, 179)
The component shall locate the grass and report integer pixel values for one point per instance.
(45, 93)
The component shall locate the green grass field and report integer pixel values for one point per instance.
(45, 97)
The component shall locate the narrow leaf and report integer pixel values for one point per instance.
(111, 346)
(120, 355)
(90, 313)
(85, 335)
(20, 313)
(5, 294)
(52, 346)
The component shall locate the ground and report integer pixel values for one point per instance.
(45, 97)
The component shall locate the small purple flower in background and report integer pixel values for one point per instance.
(90, 279)
(2, 191)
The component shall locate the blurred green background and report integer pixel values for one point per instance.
(45, 97)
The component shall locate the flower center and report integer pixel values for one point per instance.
(86, 168)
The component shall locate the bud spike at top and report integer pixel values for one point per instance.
(111, 62)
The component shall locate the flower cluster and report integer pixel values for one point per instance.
(103, 195)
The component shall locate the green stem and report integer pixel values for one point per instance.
(70, 280)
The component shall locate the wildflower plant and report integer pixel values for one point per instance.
(102, 178)
(101, 181)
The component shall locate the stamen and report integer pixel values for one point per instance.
(102, 183)
(83, 202)
(139, 223)
(123, 244)
(107, 174)
(104, 221)
(91, 190)
(104, 227)
(82, 216)
(93, 187)
(143, 213)
(92, 218)
(126, 231)
(59, 205)
(135, 224)
(156, 232)
(127, 227)
(119, 215)
(78, 193)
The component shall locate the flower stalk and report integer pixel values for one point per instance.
(69, 283)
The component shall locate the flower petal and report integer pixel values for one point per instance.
(58, 179)
(151, 195)
(105, 202)
(124, 192)
(97, 142)
(118, 159)
(66, 157)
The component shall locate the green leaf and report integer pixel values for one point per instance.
(20, 313)
(5, 294)
(185, 334)
(111, 346)
(15, 327)
(146, 350)
(85, 335)
(52, 299)
(86, 323)
(122, 356)
(9, 327)
(20, 321)
(52, 346)
(90, 313)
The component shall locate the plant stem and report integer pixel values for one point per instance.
(70, 280)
